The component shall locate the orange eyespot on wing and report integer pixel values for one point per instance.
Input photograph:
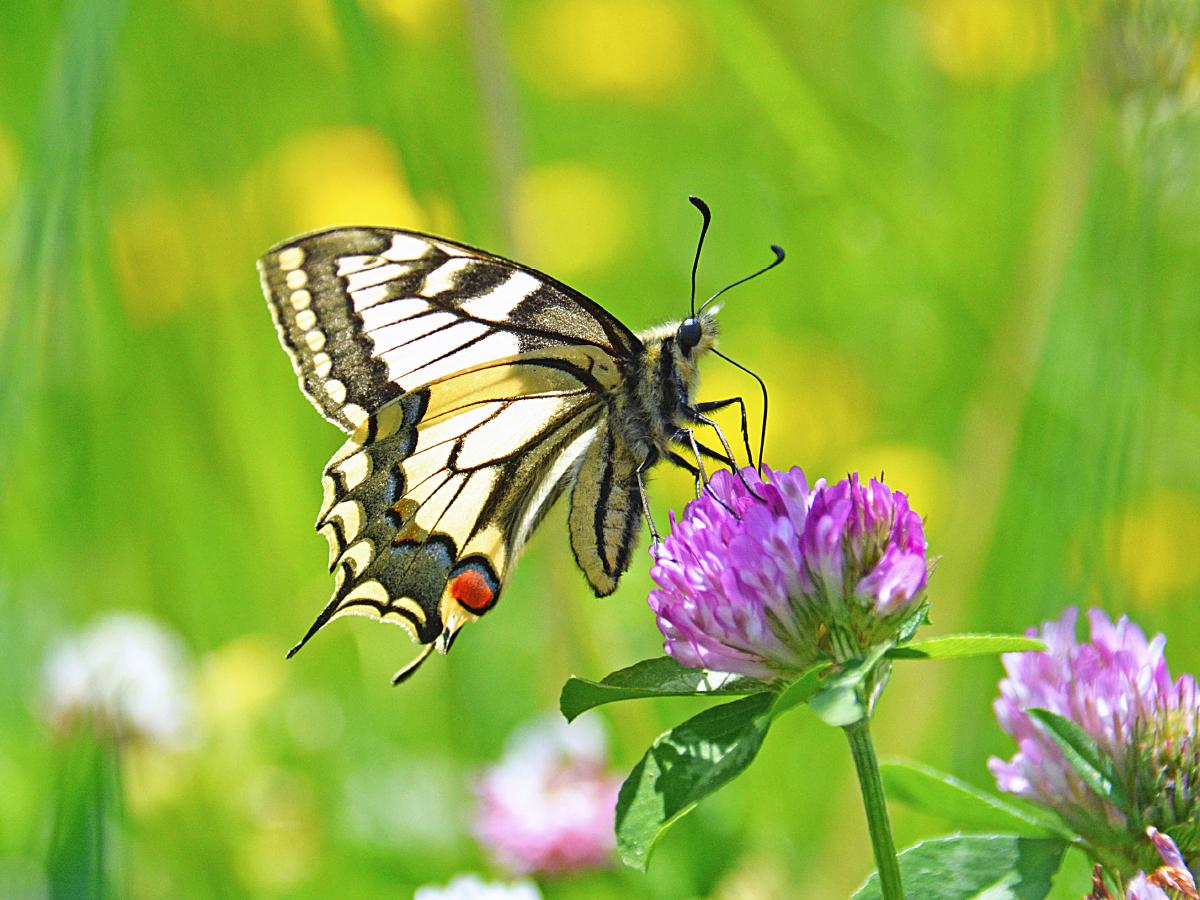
(474, 587)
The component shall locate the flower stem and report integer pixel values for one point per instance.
(875, 804)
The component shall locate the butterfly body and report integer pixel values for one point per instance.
(475, 392)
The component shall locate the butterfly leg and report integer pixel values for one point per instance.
(682, 463)
(714, 405)
(702, 419)
(701, 475)
(641, 483)
(702, 485)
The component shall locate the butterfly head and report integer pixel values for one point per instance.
(696, 335)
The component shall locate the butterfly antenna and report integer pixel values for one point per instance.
(779, 255)
(762, 432)
(707, 213)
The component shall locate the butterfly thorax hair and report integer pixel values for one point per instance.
(660, 384)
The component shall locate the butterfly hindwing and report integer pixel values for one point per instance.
(606, 514)
(367, 314)
(432, 498)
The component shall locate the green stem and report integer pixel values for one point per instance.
(875, 804)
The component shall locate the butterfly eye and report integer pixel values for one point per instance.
(689, 334)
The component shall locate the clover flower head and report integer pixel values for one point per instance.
(765, 576)
(1118, 689)
(549, 805)
(126, 675)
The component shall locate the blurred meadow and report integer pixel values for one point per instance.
(991, 210)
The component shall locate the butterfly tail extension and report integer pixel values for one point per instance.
(364, 485)
(606, 514)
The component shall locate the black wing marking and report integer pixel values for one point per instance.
(367, 314)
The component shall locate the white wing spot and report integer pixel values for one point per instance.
(368, 590)
(390, 313)
(315, 340)
(297, 278)
(350, 512)
(568, 458)
(355, 469)
(357, 281)
(359, 556)
(336, 391)
(407, 331)
(300, 298)
(322, 363)
(444, 277)
(515, 426)
(406, 247)
(329, 488)
(291, 258)
(405, 355)
(354, 413)
(494, 346)
(369, 296)
(306, 319)
(348, 264)
(497, 303)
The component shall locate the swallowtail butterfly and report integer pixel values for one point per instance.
(475, 391)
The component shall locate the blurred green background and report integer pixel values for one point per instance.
(992, 215)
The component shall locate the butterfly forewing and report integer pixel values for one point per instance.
(367, 314)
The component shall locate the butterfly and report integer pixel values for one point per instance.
(475, 392)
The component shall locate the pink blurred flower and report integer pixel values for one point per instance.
(1118, 689)
(549, 805)
(769, 582)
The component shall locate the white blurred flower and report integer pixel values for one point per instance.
(472, 887)
(549, 805)
(126, 674)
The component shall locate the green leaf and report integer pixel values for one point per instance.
(800, 691)
(954, 646)
(84, 854)
(976, 867)
(1086, 757)
(683, 767)
(939, 794)
(659, 677)
(838, 701)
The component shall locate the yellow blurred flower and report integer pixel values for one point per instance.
(152, 257)
(817, 419)
(424, 18)
(918, 472)
(636, 48)
(154, 776)
(819, 409)
(239, 680)
(266, 20)
(335, 176)
(1154, 546)
(569, 218)
(990, 39)
(277, 859)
